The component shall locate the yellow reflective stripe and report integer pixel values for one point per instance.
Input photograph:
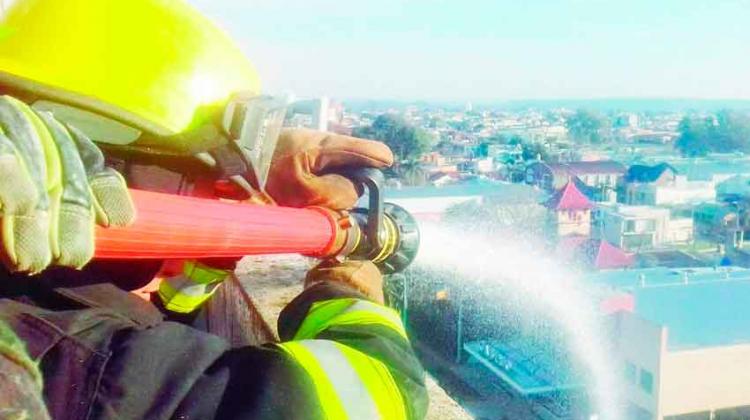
(203, 274)
(320, 315)
(379, 382)
(366, 310)
(347, 311)
(184, 299)
(329, 400)
(187, 292)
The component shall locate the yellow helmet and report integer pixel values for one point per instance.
(156, 65)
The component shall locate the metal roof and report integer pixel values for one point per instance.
(530, 368)
(699, 315)
(701, 307)
(476, 187)
(589, 167)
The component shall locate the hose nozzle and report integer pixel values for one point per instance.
(383, 233)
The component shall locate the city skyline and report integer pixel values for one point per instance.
(493, 50)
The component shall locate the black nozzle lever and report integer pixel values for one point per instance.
(400, 237)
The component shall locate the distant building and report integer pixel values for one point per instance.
(594, 254)
(661, 185)
(635, 228)
(602, 175)
(661, 174)
(735, 187)
(714, 169)
(652, 137)
(483, 165)
(684, 347)
(570, 212)
(320, 113)
(431, 202)
(719, 222)
(679, 191)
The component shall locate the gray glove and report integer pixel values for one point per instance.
(53, 187)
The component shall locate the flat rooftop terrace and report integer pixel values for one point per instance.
(701, 307)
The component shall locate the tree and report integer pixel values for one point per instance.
(407, 142)
(587, 127)
(530, 150)
(516, 139)
(727, 131)
(534, 151)
(411, 173)
(694, 139)
(499, 138)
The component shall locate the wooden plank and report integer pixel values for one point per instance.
(232, 314)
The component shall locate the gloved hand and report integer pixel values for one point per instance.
(363, 276)
(53, 186)
(300, 171)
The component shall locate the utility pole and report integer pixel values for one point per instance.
(459, 327)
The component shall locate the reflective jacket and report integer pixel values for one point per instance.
(106, 354)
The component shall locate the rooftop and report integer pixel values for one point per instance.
(645, 174)
(594, 253)
(475, 187)
(569, 198)
(633, 211)
(699, 315)
(704, 169)
(589, 167)
(701, 307)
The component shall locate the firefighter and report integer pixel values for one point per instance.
(156, 83)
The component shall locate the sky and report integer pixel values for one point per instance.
(486, 50)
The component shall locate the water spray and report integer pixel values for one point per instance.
(535, 286)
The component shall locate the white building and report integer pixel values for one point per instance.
(738, 185)
(684, 348)
(681, 191)
(430, 203)
(633, 228)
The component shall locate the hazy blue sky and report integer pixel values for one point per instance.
(494, 49)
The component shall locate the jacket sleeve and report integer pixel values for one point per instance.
(20, 380)
(341, 356)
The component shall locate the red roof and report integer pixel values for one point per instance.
(610, 256)
(617, 302)
(593, 253)
(569, 198)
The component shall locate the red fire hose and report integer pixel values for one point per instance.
(170, 226)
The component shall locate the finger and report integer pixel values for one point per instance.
(17, 191)
(332, 191)
(329, 151)
(342, 151)
(112, 201)
(72, 236)
(23, 158)
(26, 221)
(26, 241)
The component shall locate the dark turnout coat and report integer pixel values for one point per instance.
(107, 354)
